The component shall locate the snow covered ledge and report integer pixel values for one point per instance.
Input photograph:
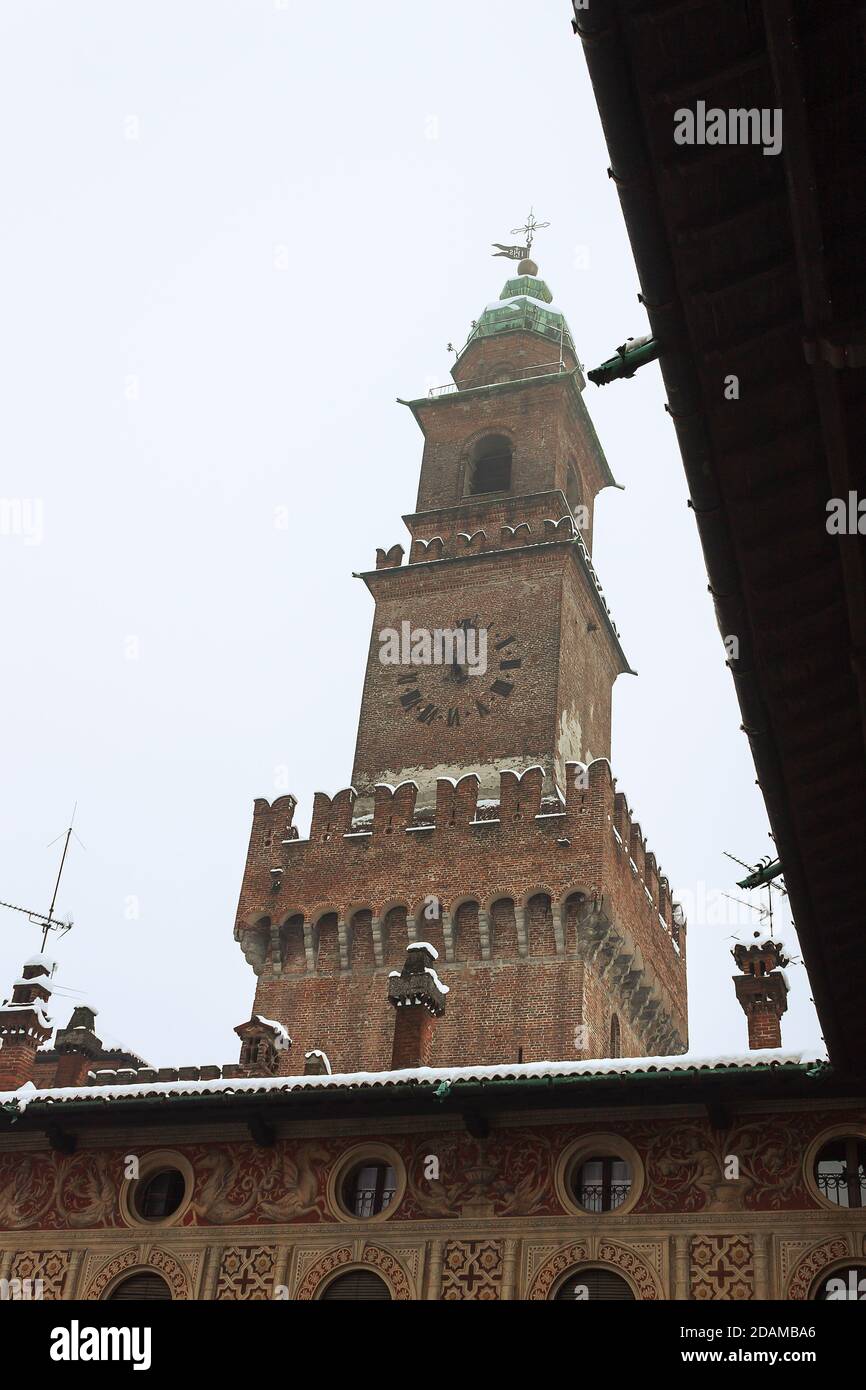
(16, 1102)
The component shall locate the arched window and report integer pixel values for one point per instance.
(139, 1287)
(594, 1286)
(615, 1038)
(359, 1285)
(490, 467)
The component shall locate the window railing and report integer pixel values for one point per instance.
(364, 1200)
(596, 1196)
(839, 1188)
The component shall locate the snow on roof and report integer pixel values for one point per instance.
(35, 1008)
(317, 1052)
(423, 946)
(758, 936)
(40, 981)
(437, 982)
(515, 300)
(450, 1076)
(282, 1041)
(40, 959)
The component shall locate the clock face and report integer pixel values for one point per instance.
(454, 692)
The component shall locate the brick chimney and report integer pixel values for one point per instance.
(316, 1063)
(24, 1024)
(762, 989)
(78, 1047)
(418, 995)
(262, 1041)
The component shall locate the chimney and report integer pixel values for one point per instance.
(78, 1047)
(262, 1041)
(418, 995)
(316, 1063)
(24, 1024)
(762, 989)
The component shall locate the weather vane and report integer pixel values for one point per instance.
(529, 228)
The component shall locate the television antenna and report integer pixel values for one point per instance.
(758, 878)
(765, 913)
(48, 922)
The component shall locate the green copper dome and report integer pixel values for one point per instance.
(526, 305)
(527, 284)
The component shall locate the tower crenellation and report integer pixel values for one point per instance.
(358, 890)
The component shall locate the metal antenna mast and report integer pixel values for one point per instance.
(759, 876)
(50, 922)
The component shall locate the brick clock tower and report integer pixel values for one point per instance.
(483, 817)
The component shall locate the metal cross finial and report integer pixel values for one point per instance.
(530, 227)
(521, 253)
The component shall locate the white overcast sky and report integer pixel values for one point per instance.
(167, 386)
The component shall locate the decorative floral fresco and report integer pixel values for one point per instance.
(510, 1173)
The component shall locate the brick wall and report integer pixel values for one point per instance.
(546, 423)
(560, 704)
(514, 883)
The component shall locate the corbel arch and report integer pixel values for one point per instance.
(292, 945)
(465, 923)
(502, 926)
(430, 929)
(393, 918)
(322, 937)
(539, 923)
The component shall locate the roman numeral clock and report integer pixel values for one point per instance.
(453, 691)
